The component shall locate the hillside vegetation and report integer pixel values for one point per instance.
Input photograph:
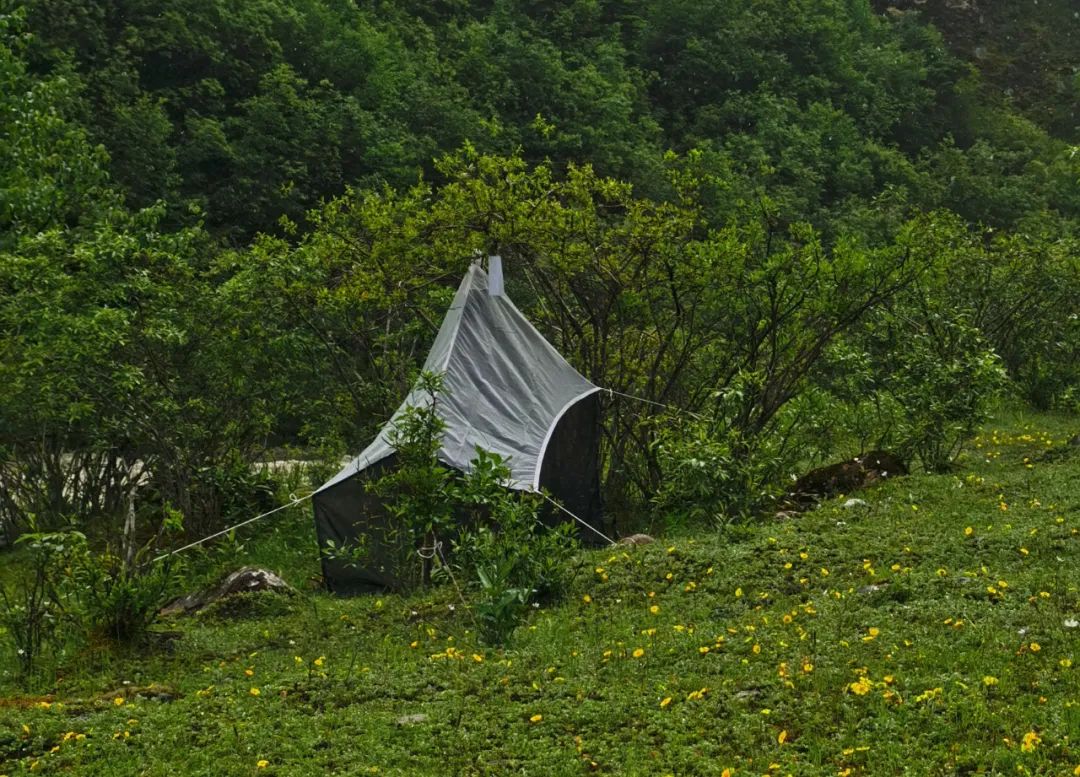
(931, 632)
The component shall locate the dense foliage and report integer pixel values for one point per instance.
(258, 110)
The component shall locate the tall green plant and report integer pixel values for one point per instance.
(512, 558)
(33, 610)
(418, 491)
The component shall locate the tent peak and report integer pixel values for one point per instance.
(495, 276)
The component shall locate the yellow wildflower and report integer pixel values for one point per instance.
(587, 599)
(254, 691)
(638, 652)
(782, 737)
(654, 609)
(536, 718)
(861, 687)
(1031, 741)
(262, 763)
(665, 702)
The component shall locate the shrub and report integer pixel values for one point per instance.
(511, 556)
(70, 594)
(419, 490)
(712, 469)
(941, 374)
(31, 612)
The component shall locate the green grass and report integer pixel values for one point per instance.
(864, 639)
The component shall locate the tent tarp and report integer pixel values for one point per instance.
(505, 389)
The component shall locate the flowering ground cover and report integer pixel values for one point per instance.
(933, 631)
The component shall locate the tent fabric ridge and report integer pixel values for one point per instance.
(551, 430)
(471, 277)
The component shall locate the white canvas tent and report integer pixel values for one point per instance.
(506, 389)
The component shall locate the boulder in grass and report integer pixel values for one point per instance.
(636, 539)
(844, 477)
(245, 580)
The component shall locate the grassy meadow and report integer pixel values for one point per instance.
(931, 631)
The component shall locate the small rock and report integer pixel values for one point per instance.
(873, 588)
(854, 503)
(636, 539)
(1071, 623)
(412, 720)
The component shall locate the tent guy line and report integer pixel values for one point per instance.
(579, 520)
(612, 392)
(295, 501)
(302, 499)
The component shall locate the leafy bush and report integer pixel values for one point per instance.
(938, 371)
(511, 556)
(500, 544)
(945, 382)
(31, 612)
(115, 593)
(712, 469)
(418, 492)
(69, 594)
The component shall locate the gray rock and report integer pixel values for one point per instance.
(412, 720)
(636, 539)
(243, 580)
